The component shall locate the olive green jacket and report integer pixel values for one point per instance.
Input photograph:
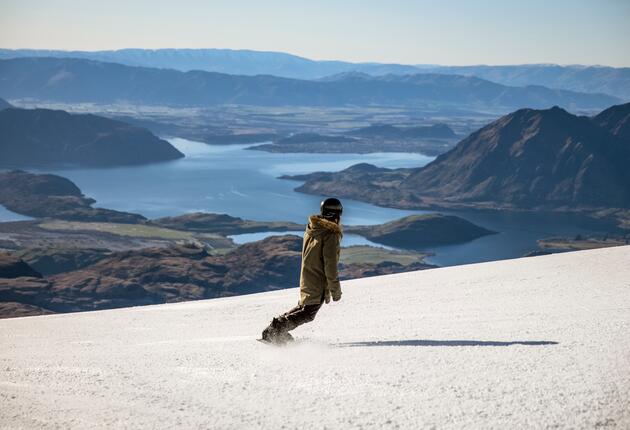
(319, 277)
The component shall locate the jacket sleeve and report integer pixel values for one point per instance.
(330, 252)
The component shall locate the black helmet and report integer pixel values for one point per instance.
(331, 208)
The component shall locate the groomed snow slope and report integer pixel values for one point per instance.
(530, 343)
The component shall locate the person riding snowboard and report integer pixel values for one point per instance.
(319, 279)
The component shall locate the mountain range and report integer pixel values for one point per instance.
(588, 79)
(591, 79)
(78, 80)
(44, 137)
(527, 159)
(234, 62)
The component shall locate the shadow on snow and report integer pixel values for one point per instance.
(423, 342)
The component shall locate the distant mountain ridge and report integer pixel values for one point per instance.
(229, 61)
(76, 80)
(548, 159)
(590, 79)
(43, 137)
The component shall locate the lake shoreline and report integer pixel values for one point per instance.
(231, 179)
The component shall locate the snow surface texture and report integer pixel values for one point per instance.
(537, 342)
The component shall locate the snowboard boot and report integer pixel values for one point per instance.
(284, 337)
(276, 333)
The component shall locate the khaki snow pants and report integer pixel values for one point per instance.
(301, 314)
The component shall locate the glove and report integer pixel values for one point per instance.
(327, 296)
(336, 297)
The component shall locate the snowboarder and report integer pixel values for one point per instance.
(319, 279)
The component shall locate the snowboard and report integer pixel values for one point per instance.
(266, 342)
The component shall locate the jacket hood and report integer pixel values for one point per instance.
(318, 226)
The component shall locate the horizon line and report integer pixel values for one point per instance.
(318, 60)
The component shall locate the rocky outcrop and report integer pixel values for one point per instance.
(23, 295)
(53, 196)
(12, 266)
(43, 137)
(51, 261)
(16, 310)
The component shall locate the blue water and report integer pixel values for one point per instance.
(230, 179)
(347, 240)
(7, 215)
(240, 182)
(516, 236)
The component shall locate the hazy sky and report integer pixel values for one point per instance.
(402, 31)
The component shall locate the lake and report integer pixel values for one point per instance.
(230, 179)
(7, 215)
(240, 182)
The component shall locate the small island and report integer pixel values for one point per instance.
(421, 231)
(223, 224)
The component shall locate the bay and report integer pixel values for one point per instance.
(241, 182)
(230, 179)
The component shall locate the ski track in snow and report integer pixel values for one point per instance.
(447, 348)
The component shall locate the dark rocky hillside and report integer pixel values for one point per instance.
(12, 266)
(532, 158)
(616, 120)
(43, 137)
(160, 275)
(50, 261)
